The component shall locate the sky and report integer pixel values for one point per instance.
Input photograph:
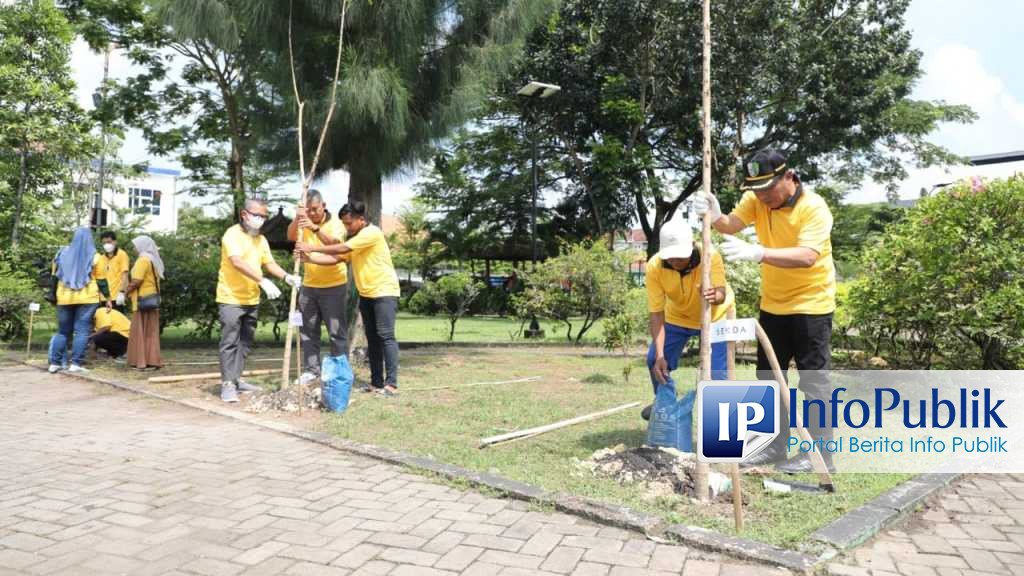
(970, 58)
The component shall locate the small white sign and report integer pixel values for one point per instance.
(33, 307)
(733, 330)
(295, 319)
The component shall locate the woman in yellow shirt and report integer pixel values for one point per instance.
(144, 288)
(80, 282)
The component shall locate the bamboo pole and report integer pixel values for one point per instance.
(306, 177)
(205, 376)
(824, 477)
(701, 470)
(734, 469)
(531, 432)
(28, 342)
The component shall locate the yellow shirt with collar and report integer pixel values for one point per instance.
(678, 295)
(114, 320)
(806, 223)
(90, 293)
(318, 275)
(117, 265)
(374, 273)
(144, 272)
(233, 287)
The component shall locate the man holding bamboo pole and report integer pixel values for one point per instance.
(324, 293)
(244, 253)
(798, 282)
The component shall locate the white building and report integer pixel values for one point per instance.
(153, 194)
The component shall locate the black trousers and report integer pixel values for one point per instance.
(114, 344)
(382, 348)
(806, 340)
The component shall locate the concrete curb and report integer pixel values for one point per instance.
(847, 531)
(864, 522)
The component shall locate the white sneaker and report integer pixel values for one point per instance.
(77, 368)
(307, 377)
(54, 368)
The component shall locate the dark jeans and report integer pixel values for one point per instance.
(237, 329)
(328, 305)
(805, 339)
(114, 344)
(382, 348)
(74, 323)
(676, 338)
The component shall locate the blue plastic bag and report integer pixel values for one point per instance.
(671, 422)
(336, 378)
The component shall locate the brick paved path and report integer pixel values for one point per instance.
(94, 481)
(974, 529)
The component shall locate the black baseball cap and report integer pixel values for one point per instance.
(763, 169)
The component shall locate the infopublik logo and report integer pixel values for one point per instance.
(735, 420)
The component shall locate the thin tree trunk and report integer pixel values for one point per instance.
(22, 184)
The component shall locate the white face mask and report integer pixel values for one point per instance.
(254, 223)
(108, 248)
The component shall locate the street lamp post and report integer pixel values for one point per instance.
(535, 90)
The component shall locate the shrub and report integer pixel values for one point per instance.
(17, 290)
(945, 284)
(451, 296)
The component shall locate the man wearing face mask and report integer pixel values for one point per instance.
(324, 293)
(117, 266)
(244, 253)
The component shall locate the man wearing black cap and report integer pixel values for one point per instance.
(798, 281)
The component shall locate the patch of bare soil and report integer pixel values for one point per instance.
(291, 399)
(661, 472)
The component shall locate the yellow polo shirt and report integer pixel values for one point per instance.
(317, 275)
(143, 271)
(374, 273)
(90, 293)
(807, 223)
(678, 295)
(114, 320)
(117, 265)
(233, 287)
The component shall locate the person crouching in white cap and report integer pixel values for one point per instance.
(674, 301)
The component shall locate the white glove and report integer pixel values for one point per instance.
(293, 280)
(270, 288)
(707, 203)
(119, 300)
(739, 249)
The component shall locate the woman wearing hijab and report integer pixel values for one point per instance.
(144, 288)
(81, 286)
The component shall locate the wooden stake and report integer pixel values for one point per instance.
(734, 469)
(701, 470)
(530, 432)
(28, 342)
(460, 386)
(824, 477)
(306, 177)
(205, 376)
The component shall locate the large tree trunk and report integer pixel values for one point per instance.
(22, 184)
(365, 186)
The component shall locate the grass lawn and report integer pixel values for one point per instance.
(448, 424)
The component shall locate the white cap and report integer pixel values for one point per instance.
(675, 239)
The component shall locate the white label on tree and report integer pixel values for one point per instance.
(295, 318)
(33, 307)
(733, 330)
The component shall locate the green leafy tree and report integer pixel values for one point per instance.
(584, 284)
(944, 284)
(627, 326)
(42, 128)
(413, 249)
(451, 295)
(828, 82)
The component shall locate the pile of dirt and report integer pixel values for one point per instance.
(661, 472)
(291, 399)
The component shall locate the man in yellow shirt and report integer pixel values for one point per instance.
(118, 265)
(675, 301)
(111, 333)
(798, 281)
(378, 288)
(324, 292)
(244, 252)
